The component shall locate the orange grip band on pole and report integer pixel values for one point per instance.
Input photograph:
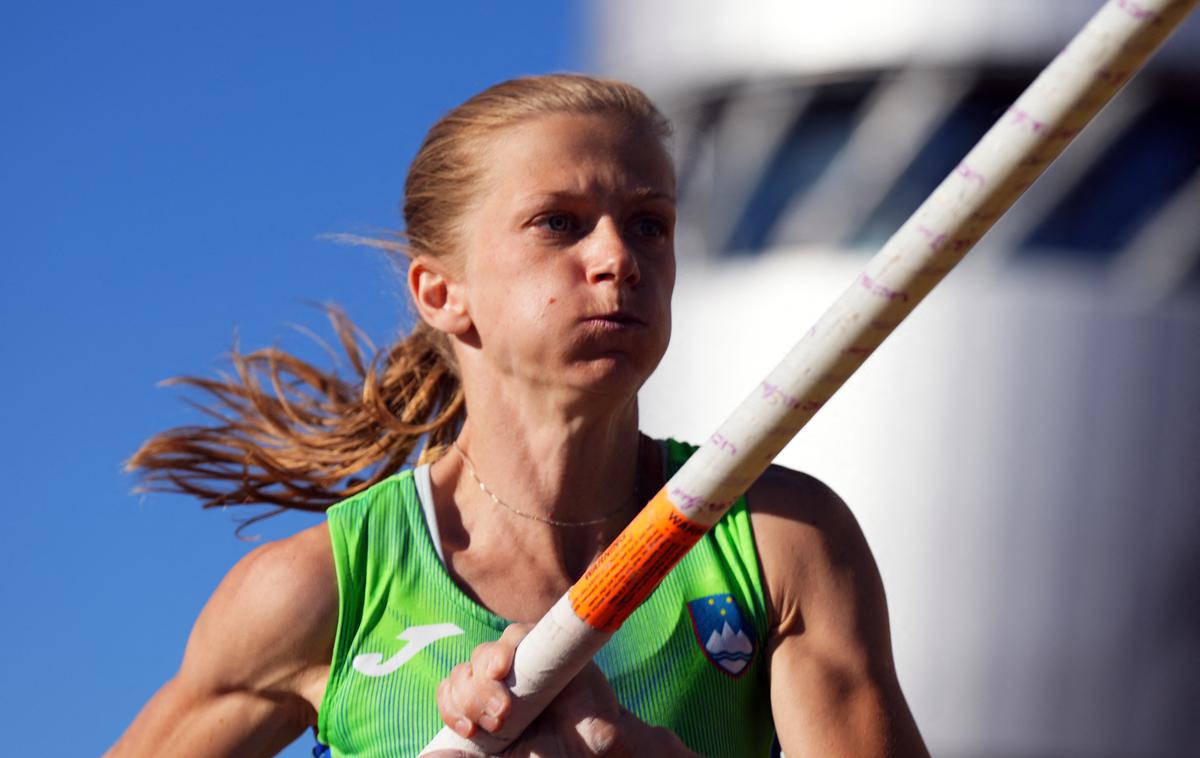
(633, 565)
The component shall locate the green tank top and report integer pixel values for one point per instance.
(689, 659)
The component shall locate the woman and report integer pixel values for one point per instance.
(539, 218)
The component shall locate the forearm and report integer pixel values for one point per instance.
(174, 723)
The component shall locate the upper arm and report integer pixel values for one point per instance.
(834, 689)
(255, 661)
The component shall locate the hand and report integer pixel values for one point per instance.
(584, 720)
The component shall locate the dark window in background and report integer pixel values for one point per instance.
(1132, 180)
(816, 136)
(951, 141)
(1150, 160)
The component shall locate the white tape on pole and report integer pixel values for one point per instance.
(1113, 45)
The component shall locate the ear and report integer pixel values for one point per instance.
(440, 299)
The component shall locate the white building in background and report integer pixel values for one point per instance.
(1024, 453)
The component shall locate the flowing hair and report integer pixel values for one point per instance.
(290, 435)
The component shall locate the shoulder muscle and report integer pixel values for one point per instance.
(815, 559)
(273, 616)
(256, 659)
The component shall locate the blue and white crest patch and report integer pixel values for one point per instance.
(722, 633)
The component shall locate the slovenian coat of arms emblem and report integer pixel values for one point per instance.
(722, 633)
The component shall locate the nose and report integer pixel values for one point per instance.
(610, 258)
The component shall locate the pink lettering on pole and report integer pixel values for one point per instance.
(935, 238)
(1022, 117)
(1137, 11)
(691, 502)
(875, 288)
(776, 396)
(970, 174)
(724, 444)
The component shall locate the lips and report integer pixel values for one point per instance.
(620, 317)
(615, 322)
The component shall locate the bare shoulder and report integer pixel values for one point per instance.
(781, 493)
(814, 556)
(271, 620)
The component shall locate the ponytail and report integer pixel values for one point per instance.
(291, 435)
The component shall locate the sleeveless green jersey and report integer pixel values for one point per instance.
(689, 659)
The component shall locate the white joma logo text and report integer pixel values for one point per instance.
(417, 637)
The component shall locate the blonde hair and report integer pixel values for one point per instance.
(294, 436)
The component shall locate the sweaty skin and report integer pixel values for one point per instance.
(558, 307)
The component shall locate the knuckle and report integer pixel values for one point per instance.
(480, 649)
(603, 738)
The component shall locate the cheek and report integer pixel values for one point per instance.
(519, 310)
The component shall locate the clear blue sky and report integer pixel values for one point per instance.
(165, 172)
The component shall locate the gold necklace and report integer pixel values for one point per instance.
(534, 516)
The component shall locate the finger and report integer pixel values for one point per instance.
(477, 698)
(493, 659)
(449, 709)
(502, 652)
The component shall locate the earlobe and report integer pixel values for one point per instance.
(439, 298)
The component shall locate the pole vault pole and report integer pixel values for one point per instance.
(1113, 45)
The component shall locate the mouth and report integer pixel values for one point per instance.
(615, 321)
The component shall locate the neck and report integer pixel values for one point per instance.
(563, 467)
(555, 453)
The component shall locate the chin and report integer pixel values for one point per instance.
(614, 375)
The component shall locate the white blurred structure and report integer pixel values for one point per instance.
(1024, 453)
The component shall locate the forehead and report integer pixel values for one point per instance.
(574, 153)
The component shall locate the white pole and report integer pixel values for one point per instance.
(1113, 45)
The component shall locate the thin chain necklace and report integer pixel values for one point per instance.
(534, 516)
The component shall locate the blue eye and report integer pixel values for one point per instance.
(559, 223)
(650, 227)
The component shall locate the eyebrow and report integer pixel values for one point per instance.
(640, 194)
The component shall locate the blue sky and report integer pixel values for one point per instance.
(167, 171)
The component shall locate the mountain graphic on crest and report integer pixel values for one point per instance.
(731, 651)
(721, 633)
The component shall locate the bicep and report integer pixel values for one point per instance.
(836, 706)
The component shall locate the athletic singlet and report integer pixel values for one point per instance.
(690, 658)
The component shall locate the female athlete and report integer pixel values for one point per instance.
(539, 218)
